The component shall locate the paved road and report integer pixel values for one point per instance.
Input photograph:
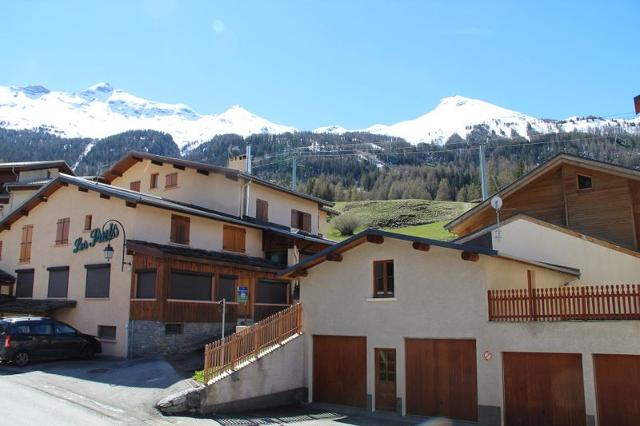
(122, 392)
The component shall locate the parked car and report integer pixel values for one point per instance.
(23, 339)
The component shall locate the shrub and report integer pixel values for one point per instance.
(347, 223)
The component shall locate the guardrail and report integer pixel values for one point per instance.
(607, 302)
(227, 354)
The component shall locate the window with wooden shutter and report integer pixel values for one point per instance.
(25, 243)
(87, 222)
(233, 239)
(262, 210)
(135, 186)
(58, 281)
(171, 180)
(383, 282)
(180, 229)
(306, 222)
(153, 182)
(62, 232)
(300, 220)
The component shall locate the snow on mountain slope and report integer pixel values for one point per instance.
(459, 115)
(101, 111)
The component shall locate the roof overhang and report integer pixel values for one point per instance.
(11, 305)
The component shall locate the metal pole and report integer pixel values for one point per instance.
(124, 239)
(224, 304)
(483, 174)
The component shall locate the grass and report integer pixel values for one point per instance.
(422, 218)
(198, 376)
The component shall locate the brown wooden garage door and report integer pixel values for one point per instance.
(543, 389)
(340, 370)
(617, 389)
(441, 378)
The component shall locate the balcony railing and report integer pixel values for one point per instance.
(607, 302)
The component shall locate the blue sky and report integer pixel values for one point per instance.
(347, 62)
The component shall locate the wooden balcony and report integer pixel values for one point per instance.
(592, 303)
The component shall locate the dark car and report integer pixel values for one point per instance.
(23, 339)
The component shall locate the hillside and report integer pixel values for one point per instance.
(421, 218)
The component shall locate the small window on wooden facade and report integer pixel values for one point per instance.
(262, 210)
(25, 243)
(171, 180)
(24, 283)
(584, 182)
(135, 186)
(186, 285)
(180, 229)
(173, 329)
(383, 285)
(62, 232)
(272, 292)
(107, 332)
(98, 281)
(233, 239)
(58, 281)
(153, 181)
(87, 222)
(226, 288)
(145, 284)
(300, 220)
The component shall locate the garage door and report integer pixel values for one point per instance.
(441, 378)
(340, 370)
(617, 389)
(543, 389)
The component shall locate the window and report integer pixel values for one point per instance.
(58, 281)
(171, 180)
(280, 257)
(135, 186)
(233, 239)
(146, 284)
(272, 292)
(383, 278)
(98, 277)
(584, 182)
(301, 220)
(227, 288)
(153, 181)
(42, 329)
(25, 244)
(64, 330)
(62, 232)
(185, 285)
(262, 210)
(24, 283)
(179, 229)
(107, 332)
(87, 222)
(173, 329)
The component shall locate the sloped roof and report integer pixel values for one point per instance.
(561, 158)
(33, 306)
(132, 157)
(37, 165)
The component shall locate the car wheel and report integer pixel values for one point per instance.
(88, 352)
(21, 358)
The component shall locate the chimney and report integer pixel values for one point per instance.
(239, 162)
(636, 101)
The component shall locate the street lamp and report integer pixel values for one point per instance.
(108, 250)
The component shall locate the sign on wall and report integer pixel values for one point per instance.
(243, 294)
(97, 236)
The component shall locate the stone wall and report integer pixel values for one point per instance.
(150, 337)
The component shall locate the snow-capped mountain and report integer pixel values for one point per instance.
(101, 111)
(459, 115)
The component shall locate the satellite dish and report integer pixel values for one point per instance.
(496, 203)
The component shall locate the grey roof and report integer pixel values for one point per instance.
(36, 165)
(33, 306)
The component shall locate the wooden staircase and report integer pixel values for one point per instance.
(224, 356)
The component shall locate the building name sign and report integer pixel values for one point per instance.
(97, 235)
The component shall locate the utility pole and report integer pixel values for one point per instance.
(294, 172)
(483, 174)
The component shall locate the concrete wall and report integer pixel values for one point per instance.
(598, 264)
(275, 379)
(438, 295)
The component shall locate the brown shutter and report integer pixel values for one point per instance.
(59, 231)
(240, 239)
(186, 230)
(227, 238)
(87, 222)
(294, 218)
(135, 186)
(65, 230)
(306, 222)
(180, 228)
(25, 245)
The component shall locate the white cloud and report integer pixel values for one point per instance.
(218, 26)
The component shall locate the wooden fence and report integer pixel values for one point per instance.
(608, 302)
(227, 354)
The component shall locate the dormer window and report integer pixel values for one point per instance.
(584, 182)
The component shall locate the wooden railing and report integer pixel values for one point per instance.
(227, 354)
(608, 302)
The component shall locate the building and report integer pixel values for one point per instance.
(183, 235)
(398, 323)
